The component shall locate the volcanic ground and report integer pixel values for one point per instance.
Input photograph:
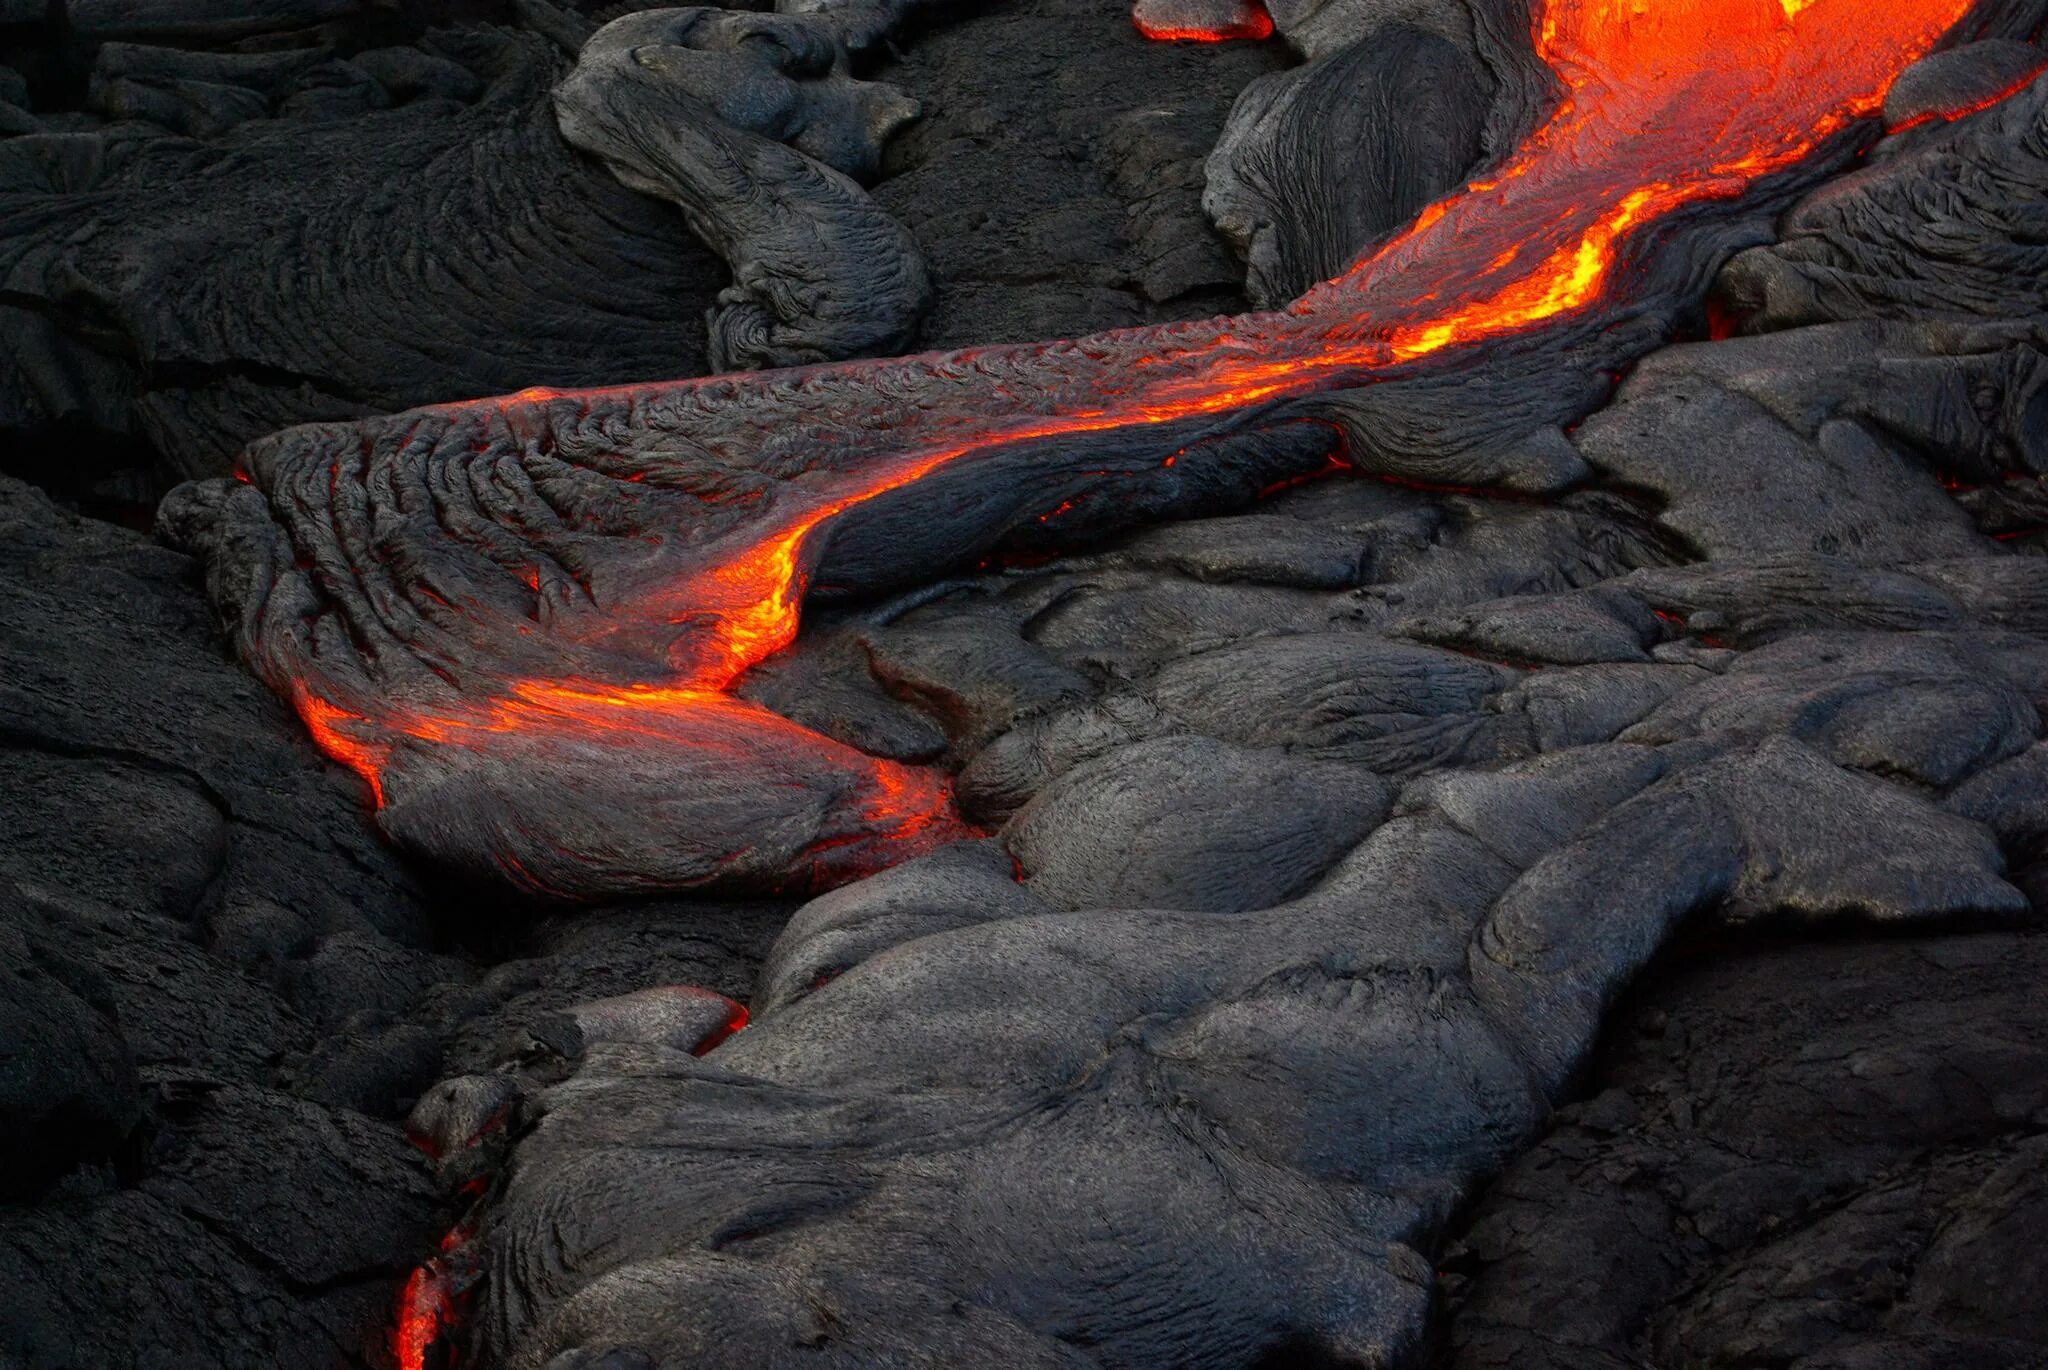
(1024, 684)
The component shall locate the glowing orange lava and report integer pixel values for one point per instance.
(735, 1021)
(1663, 104)
(426, 1309)
(1250, 23)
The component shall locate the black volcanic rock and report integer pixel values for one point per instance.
(219, 991)
(1820, 1155)
(1321, 841)
(157, 817)
(1308, 176)
(1190, 823)
(295, 269)
(1742, 700)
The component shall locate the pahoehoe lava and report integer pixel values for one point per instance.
(522, 619)
(1489, 814)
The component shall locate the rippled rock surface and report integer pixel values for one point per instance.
(1558, 867)
(1332, 833)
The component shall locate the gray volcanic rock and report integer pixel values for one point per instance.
(1959, 78)
(218, 996)
(70, 1088)
(1308, 176)
(1933, 709)
(1192, 1073)
(1162, 1135)
(695, 106)
(1328, 836)
(218, 989)
(976, 675)
(1055, 180)
(280, 273)
(1831, 420)
(1818, 1154)
(1248, 548)
(1946, 221)
(205, 20)
(954, 887)
(289, 260)
(1571, 629)
(1189, 823)
(159, 819)
(1354, 697)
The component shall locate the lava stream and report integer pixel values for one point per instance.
(1663, 104)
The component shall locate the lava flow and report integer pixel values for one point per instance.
(1202, 21)
(1663, 104)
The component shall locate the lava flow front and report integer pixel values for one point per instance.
(1662, 106)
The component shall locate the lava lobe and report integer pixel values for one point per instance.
(522, 620)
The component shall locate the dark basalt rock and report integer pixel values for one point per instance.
(205, 1164)
(1392, 706)
(156, 1162)
(976, 676)
(1321, 841)
(70, 1090)
(1571, 629)
(1104, 1102)
(1882, 243)
(696, 106)
(289, 259)
(1272, 1066)
(1326, 159)
(1190, 823)
(1812, 1154)
(1838, 415)
(1249, 548)
(218, 990)
(1055, 182)
(954, 887)
(206, 20)
(169, 303)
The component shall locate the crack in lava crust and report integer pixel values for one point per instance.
(516, 593)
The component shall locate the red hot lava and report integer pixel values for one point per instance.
(1665, 103)
(1202, 21)
(429, 1307)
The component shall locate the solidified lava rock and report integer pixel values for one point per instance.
(1818, 1155)
(174, 855)
(289, 256)
(1159, 1124)
(749, 124)
(219, 992)
(1313, 848)
(210, 326)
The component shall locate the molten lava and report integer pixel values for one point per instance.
(735, 1021)
(427, 1310)
(1663, 104)
(1210, 21)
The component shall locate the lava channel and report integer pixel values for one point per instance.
(1661, 106)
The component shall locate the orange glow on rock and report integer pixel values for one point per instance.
(1977, 106)
(1663, 104)
(329, 725)
(426, 1310)
(1245, 20)
(735, 1021)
